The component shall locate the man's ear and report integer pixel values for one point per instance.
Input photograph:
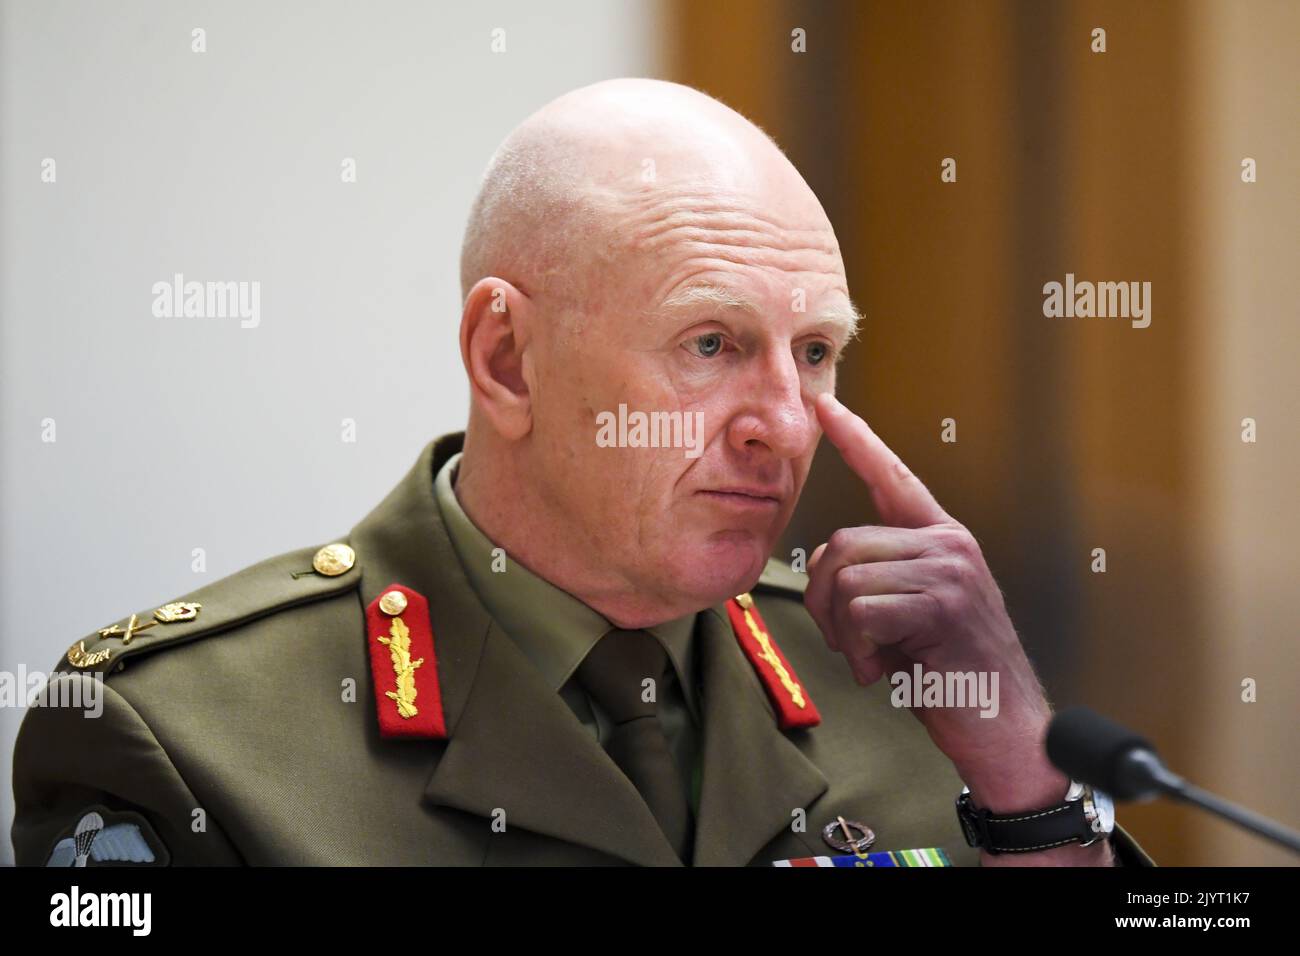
(493, 339)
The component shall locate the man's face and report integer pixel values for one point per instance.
(731, 317)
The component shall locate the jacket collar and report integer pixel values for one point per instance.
(514, 744)
(555, 642)
(754, 776)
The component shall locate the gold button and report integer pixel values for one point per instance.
(333, 560)
(393, 603)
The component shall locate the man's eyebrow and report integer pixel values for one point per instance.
(844, 319)
(705, 293)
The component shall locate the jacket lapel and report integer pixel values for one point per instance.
(517, 746)
(754, 777)
(513, 743)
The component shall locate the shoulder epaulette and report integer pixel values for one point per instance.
(297, 577)
(779, 576)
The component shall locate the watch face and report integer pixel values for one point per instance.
(1103, 820)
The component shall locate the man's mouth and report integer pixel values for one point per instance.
(743, 499)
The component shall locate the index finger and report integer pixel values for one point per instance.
(900, 497)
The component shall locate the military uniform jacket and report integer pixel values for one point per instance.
(232, 738)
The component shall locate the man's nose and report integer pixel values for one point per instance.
(776, 413)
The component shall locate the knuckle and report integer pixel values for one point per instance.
(955, 569)
(954, 602)
(900, 471)
(935, 607)
(958, 539)
(845, 578)
(968, 548)
(859, 613)
(840, 541)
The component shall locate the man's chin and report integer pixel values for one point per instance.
(723, 567)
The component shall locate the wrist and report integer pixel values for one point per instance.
(1010, 771)
(1016, 778)
(1071, 826)
(1100, 853)
(1025, 789)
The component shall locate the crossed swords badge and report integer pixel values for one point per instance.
(80, 657)
(167, 614)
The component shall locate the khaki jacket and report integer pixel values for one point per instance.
(249, 734)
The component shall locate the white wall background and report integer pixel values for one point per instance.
(176, 434)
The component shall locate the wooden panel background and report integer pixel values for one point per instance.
(1073, 434)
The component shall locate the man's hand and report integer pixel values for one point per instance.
(917, 591)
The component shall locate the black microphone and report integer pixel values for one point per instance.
(1093, 749)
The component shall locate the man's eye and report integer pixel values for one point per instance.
(707, 345)
(817, 353)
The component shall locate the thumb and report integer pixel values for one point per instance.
(816, 556)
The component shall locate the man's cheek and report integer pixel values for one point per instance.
(801, 469)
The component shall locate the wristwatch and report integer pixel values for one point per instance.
(1086, 816)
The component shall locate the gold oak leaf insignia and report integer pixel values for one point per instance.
(769, 655)
(399, 646)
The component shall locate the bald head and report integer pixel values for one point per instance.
(551, 212)
(636, 245)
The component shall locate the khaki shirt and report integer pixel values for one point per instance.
(555, 631)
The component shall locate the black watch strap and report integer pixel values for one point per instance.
(1024, 832)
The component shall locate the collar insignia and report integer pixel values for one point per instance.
(404, 667)
(793, 706)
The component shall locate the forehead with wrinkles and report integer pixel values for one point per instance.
(636, 171)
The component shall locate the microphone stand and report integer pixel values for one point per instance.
(1142, 771)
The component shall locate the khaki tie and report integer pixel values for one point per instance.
(612, 674)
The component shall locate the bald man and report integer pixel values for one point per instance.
(561, 639)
